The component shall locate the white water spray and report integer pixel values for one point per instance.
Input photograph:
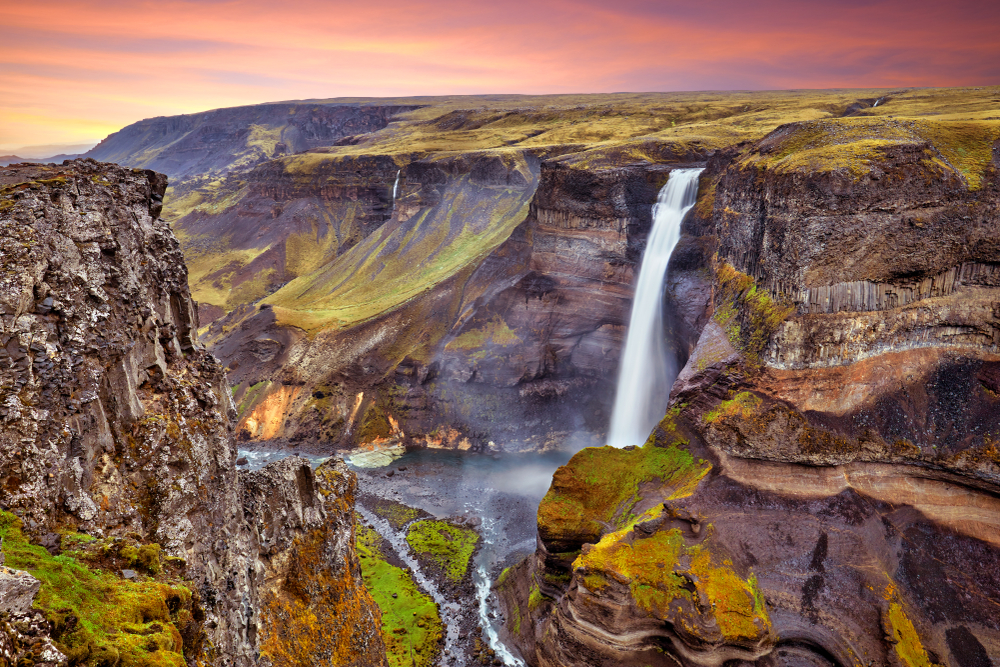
(647, 371)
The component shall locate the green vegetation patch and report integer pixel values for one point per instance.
(251, 395)
(749, 315)
(396, 513)
(450, 547)
(660, 570)
(741, 406)
(600, 486)
(495, 332)
(98, 618)
(411, 624)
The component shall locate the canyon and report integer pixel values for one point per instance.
(457, 274)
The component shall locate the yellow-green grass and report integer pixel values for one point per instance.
(597, 122)
(449, 546)
(857, 144)
(411, 624)
(400, 261)
(127, 623)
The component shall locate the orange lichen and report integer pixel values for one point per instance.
(319, 613)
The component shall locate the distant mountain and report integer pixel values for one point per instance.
(14, 159)
(46, 150)
(225, 139)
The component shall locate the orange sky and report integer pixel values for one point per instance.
(75, 71)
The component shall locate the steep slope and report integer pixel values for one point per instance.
(116, 447)
(498, 286)
(839, 409)
(213, 142)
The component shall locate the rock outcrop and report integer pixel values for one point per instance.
(839, 405)
(115, 422)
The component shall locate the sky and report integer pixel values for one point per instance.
(73, 71)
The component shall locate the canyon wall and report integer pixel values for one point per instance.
(486, 303)
(823, 489)
(116, 448)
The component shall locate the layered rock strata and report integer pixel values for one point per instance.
(503, 282)
(115, 422)
(841, 401)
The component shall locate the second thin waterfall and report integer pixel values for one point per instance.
(647, 370)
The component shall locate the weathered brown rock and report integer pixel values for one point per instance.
(843, 390)
(523, 341)
(114, 420)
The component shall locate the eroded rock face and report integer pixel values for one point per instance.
(841, 390)
(312, 610)
(115, 421)
(520, 340)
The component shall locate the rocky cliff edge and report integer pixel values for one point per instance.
(117, 462)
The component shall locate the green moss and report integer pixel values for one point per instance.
(117, 622)
(411, 624)
(600, 486)
(742, 406)
(447, 545)
(661, 570)
(737, 604)
(749, 314)
(536, 597)
(495, 332)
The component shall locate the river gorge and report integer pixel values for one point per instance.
(345, 393)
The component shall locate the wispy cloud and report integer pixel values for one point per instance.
(74, 70)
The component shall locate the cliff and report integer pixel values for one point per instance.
(222, 140)
(117, 461)
(823, 489)
(488, 303)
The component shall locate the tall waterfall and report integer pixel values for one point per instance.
(395, 190)
(647, 371)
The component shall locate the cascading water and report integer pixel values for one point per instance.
(395, 189)
(647, 371)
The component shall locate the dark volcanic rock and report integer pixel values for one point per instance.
(842, 390)
(114, 420)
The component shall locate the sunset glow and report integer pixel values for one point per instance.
(74, 70)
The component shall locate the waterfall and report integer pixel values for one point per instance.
(647, 371)
(395, 189)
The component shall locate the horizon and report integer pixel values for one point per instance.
(39, 151)
(75, 71)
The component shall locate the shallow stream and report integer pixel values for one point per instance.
(502, 491)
